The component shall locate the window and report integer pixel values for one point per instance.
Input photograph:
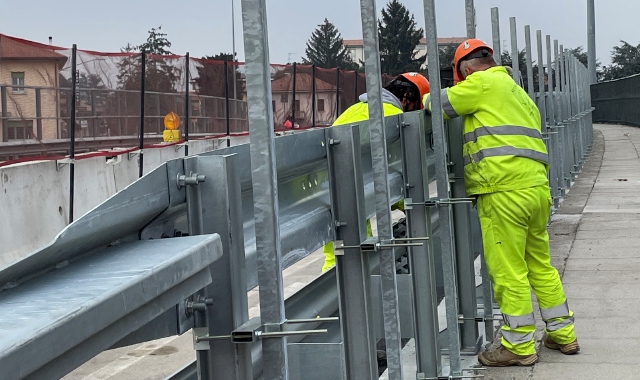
(297, 105)
(17, 80)
(20, 129)
(284, 98)
(273, 106)
(320, 105)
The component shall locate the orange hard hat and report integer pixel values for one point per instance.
(418, 80)
(469, 49)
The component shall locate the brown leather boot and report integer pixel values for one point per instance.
(501, 357)
(567, 349)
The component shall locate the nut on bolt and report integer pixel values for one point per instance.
(192, 179)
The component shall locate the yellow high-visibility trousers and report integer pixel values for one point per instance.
(516, 250)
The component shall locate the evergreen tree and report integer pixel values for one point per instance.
(211, 76)
(625, 61)
(326, 49)
(398, 38)
(161, 76)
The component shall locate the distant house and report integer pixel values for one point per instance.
(356, 47)
(325, 98)
(23, 63)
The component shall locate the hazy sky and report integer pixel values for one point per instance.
(204, 27)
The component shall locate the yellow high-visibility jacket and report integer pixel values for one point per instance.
(502, 142)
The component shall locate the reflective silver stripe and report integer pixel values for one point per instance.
(559, 311)
(557, 324)
(507, 151)
(446, 105)
(519, 321)
(505, 130)
(516, 337)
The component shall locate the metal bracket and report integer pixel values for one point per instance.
(253, 330)
(439, 202)
(181, 145)
(373, 244)
(64, 162)
(131, 155)
(422, 376)
(192, 179)
(462, 318)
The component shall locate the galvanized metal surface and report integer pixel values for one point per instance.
(591, 41)
(515, 53)
(528, 48)
(442, 178)
(495, 33)
(421, 258)
(352, 267)
(470, 15)
(381, 184)
(265, 184)
(54, 323)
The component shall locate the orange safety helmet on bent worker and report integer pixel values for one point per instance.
(469, 49)
(401, 81)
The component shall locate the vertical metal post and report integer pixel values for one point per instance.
(352, 266)
(468, 304)
(119, 113)
(442, 177)
(390, 309)
(72, 128)
(265, 185)
(559, 120)
(552, 110)
(143, 75)
(527, 40)
(94, 113)
(495, 32)
(39, 113)
(470, 13)
(515, 54)
(217, 205)
(541, 101)
(293, 101)
(591, 48)
(226, 101)
(4, 112)
(421, 259)
(552, 134)
(187, 103)
(313, 95)
(337, 93)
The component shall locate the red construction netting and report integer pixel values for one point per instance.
(37, 103)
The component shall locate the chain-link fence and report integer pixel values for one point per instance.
(616, 101)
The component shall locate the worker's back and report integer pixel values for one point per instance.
(503, 145)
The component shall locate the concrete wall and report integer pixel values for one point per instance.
(34, 196)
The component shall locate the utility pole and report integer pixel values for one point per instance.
(591, 40)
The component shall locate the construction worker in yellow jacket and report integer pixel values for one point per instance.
(403, 94)
(506, 166)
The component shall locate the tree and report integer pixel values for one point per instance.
(326, 49)
(625, 61)
(522, 64)
(398, 38)
(211, 76)
(447, 54)
(161, 76)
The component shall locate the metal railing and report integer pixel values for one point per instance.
(300, 191)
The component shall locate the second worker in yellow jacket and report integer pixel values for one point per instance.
(403, 94)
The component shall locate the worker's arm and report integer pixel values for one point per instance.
(461, 99)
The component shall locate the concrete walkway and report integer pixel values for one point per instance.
(595, 244)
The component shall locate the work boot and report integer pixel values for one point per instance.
(567, 349)
(501, 357)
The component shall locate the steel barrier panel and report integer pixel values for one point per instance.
(52, 324)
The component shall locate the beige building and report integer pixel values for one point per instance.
(356, 48)
(28, 112)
